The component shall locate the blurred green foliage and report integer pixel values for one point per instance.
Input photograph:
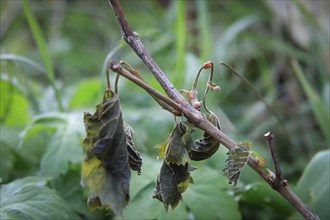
(52, 70)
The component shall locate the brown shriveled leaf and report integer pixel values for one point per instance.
(172, 180)
(179, 143)
(105, 170)
(135, 160)
(237, 159)
(205, 147)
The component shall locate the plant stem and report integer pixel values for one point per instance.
(279, 180)
(169, 105)
(194, 116)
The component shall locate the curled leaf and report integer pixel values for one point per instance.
(237, 159)
(172, 180)
(105, 170)
(205, 147)
(179, 143)
(135, 160)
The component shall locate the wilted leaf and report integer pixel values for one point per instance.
(135, 160)
(105, 169)
(178, 144)
(205, 147)
(237, 158)
(172, 180)
(29, 198)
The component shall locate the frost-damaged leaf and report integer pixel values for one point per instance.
(105, 170)
(174, 177)
(237, 158)
(205, 147)
(135, 160)
(178, 144)
(172, 180)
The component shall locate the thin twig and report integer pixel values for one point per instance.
(193, 115)
(116, 67)
(133, 40)
(247, 82)
(136, 73)
(278, 117)
(279, 180)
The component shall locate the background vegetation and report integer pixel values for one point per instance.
(52, 70)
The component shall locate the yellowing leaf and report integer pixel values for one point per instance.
(105, 170)
(162, 149)
(182, 186)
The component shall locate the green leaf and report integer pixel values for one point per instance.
(207, 199)
(262, 198)
(29, 198)
(64, 145)
(147, 177)
(67, 187)
(314, 184)
(40, 41)
(205, 29)
(105, 170)
(9, 141)
(34, 141)
(81, 98)
(12, 104)
(319, 108)
(6, 161)
(237, 159)
(180, 30)
(15, 57)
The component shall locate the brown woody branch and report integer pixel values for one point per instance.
(279, 180)
(178, 102)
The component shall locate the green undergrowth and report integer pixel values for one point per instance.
(52, 59)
